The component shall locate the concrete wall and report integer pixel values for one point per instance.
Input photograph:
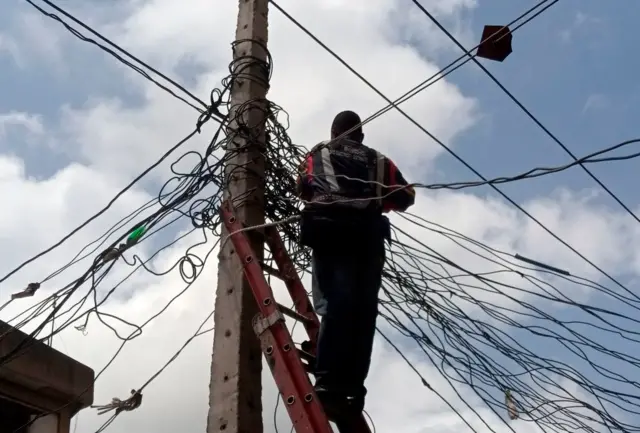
(43, 380)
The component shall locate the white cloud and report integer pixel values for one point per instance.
(580, 21)
(115, 141)
(596, 102)
(34, 41)
(306, 79)
(9, 46)
(32, 123)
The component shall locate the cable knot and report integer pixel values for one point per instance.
(118, 405)
(112, 253)
(30, 290)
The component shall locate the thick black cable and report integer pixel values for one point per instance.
(468, 323)
(523, 108)
(592, 158)
(451, 152)
(202, 208)
(104, 209)
(115, 55)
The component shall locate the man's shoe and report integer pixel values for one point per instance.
(331, 402)
(355, 405)
(328, 401)
(339, 408)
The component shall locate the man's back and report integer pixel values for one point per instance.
(347, 173)
(346, 187)
(343, 174)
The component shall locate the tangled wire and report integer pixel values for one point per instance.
(485, 329)
(195, 194)
(498, 331)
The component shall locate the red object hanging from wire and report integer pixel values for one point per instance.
(496, 43)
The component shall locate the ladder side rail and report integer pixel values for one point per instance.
(299, 397)
(294, 285)
(301, 417)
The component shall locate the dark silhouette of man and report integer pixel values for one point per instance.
(347, 187)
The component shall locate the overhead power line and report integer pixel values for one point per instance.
(195, 195)
(523, 108)
(447, 148)
(204, 107)
(433, 79)
(207, 113)
(468, 324)
(545, 171)
(104, 209)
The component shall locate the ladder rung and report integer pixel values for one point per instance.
(306, 356)
(293, 314)
(307, 368)
(272, 271)
(307, 346)
(289, 367)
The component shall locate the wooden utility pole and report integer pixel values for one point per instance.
(235, 395)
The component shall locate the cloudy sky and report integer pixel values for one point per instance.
(76, 126)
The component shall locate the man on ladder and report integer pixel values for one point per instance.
(346, 187)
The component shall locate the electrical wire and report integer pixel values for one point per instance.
(471, 323)
(137, 393)
(195, 195)
(472, 328)
(522, 19)
(592, 158)
(204, 107)
(454, 154)
(529, 114)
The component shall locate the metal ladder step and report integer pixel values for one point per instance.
(293, 314)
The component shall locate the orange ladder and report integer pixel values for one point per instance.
(289, 365)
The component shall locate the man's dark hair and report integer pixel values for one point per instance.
(344, 122)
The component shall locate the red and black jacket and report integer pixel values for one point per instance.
(345, 180)
(348, 174)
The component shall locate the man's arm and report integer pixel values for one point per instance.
(303, 181)
(398, 194)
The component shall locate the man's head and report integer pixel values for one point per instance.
(346, 121)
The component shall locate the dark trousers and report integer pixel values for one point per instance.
(345, 287)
